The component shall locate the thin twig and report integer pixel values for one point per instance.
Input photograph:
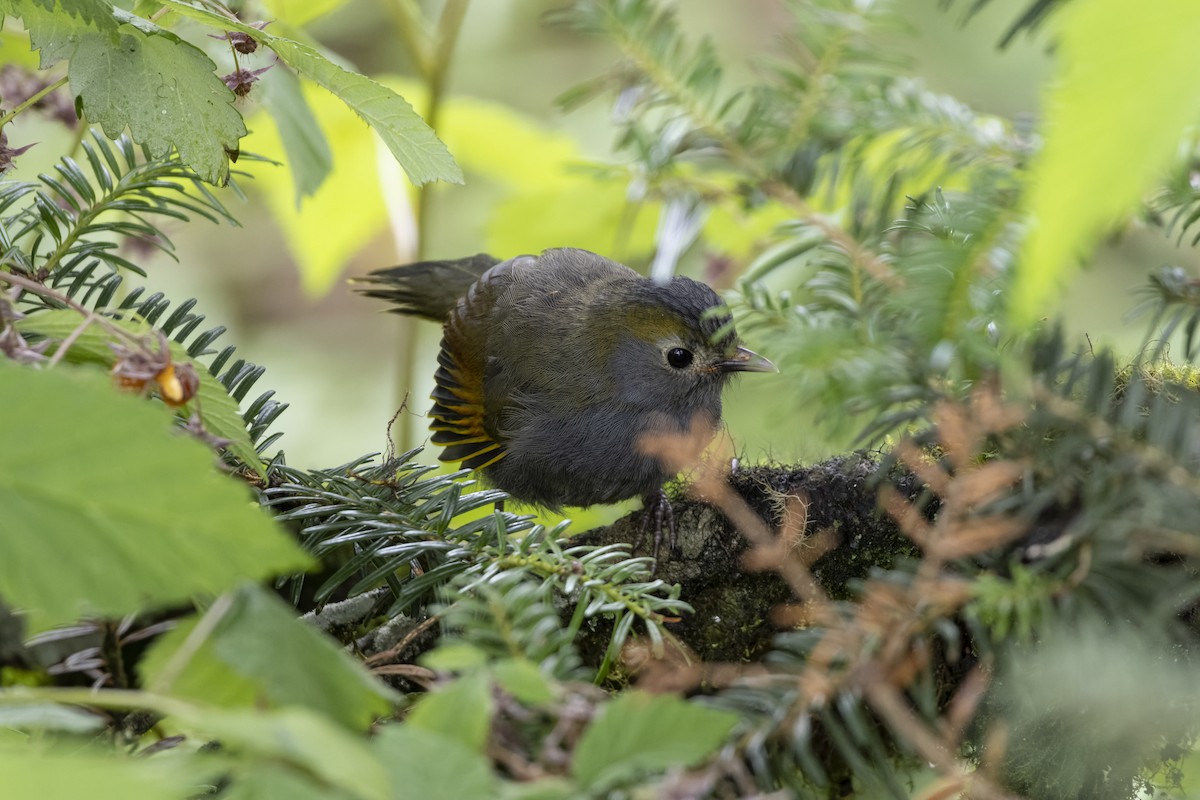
(58, 84)
(41, 290)
(395, 650)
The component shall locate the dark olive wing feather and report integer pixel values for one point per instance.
(428, 289)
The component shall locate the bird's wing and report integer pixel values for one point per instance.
(517, 345)
(459, 409)
(458, 418)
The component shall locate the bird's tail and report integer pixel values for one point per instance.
(428, 289)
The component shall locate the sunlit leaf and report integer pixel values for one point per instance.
(123, 514)
(1113, 120)
(412, 142)
(144, 79)
(217, 409)
(298, 737)
(424, 765)
(640, 732)
(258, 651)
(71, 776)
(461, 711)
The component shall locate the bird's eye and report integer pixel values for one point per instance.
(679, 358)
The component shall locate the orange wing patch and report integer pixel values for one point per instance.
(458, 408)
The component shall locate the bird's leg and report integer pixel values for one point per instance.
(499, 505)
(656, 510)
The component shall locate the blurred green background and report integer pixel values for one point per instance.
(524, 192)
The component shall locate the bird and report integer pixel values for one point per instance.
(553, 369)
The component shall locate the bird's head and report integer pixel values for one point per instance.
(675, 347)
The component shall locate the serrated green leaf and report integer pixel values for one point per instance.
(95, 14)
(116, 513)
(219, 411)
(639, 732)
(428, 766)
(1113, 121)
(256, 651)
(461, 711)
(413, 143)
(165, 91)
(53, 35)
(129, 73)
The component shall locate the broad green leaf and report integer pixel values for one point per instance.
(255, 650)
(165, 91)
(266, 781)
(1126, 94)
(545, 789)
(454, 657)
(534, 178)
(523, 680)
(53, 34)
(202, 676)
(107, 511)
(428, 766)
(461, 711)
(412, 142)
(129, 73)
(45, 776)
(548, 201)
(217, 409)
(298, 737)
(94, 13)
(639, 732)
(306, 151)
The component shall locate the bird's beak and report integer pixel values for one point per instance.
(746, 361)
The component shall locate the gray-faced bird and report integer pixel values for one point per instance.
(554, 368)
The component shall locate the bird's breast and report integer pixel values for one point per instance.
(592, 454)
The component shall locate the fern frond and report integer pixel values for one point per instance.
(1176, 205)
(85, 211)
(179, 322)
(394, 525)
(1028, 21)
(511, 615)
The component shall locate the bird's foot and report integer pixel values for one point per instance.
(658, 516)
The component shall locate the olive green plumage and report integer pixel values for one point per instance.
(552, 368)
